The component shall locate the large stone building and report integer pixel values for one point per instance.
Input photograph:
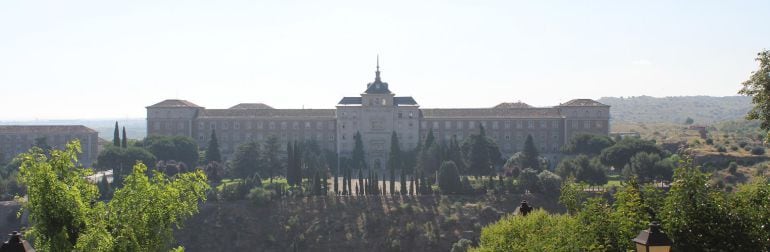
(376, 113)
(16, 139)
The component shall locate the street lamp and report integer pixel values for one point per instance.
(652, 240)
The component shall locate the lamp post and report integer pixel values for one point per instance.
(652, 240)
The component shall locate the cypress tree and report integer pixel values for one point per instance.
(350, 180)
(411, 188)
(290, 164)
(530, 155)
(359, 159)
(336, 176)
(298, 163)
(212, 151)
(403, 182)
(360, 180)
(116, 136)
(393, 181)
(124, 141)
(394, 159)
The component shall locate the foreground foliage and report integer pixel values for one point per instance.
(65, 215)
(695, 215)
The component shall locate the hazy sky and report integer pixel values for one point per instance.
(110, 59)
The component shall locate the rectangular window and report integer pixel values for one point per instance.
(460, 125)
(236, 125)
(447, 125)
(555, 124)
(543, 124)
(599, 125)
(471, 125)
(435, 125)
(518, 124)
(507, 125)
(213, 125)
(307, 125)
(400, 115)
(319, 125)
(295, 125)
(272, 125)
(494, 125)
(259, 125)
(587, 124)
(531, 124)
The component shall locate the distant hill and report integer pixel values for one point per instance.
(702, 109)
(136, 128)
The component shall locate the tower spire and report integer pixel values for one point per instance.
(377, 73)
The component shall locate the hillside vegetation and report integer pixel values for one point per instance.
(702, 109)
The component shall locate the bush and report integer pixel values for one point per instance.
(734, 148)
(449, 179)
(742, 144)
(721, 148)
(732, 168)
(759, 150)
(709, 141)
(550, 183)
(461, 246)
(260, 196)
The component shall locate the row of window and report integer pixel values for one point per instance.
(260, 137)
(319, 125)
(518, 124)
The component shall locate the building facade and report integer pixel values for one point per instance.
(376, 113)
(17, 139)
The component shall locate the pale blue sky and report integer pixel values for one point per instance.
(110, 59)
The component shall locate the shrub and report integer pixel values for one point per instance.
(742, 144)
(260, 196)
(734, 148)
(449, 178)
(758, 150)
(550, 183)
(721, 148)
(732, 168)
(461, 245)
(709, 141)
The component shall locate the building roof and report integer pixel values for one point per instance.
(583, 103)
(174, 103)
(272, 113)
(251, 106)
(404, 100)
(398, 101)
(491, 113)
(512, 105)
(44, 129)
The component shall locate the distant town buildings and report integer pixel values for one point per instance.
(16, 139)
(376, 113)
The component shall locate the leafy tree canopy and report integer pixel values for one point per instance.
(588, 144)
(140, 217)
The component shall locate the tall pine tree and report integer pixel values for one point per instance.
(124, 140)
(394, 159)
(531, 157)
(359, 160)
(212, 151)
(116, 136)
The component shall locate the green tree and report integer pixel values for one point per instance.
(454, 153)
(449, 178)
(528, 180)
(42, 143)
(120, 160)
(530, 155)
(359, 160)
(689, 121)
(271, 161)
(647, 167)
(212, 151)
(178, 148)
(582, 169)
(588, 144)
(481, 153)
(65, 214)
(394, 159)
(758, 87)
(124, 140)
(538, 231)
(697, 217)
(116, 135)
(571, 195)
(549, 182)
(246, 161)
(620, 154)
